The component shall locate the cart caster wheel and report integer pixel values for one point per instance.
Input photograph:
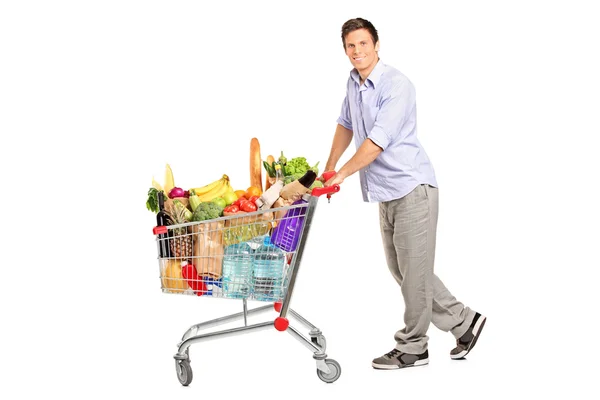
(319, 341)
(184, 372)
(332, 376)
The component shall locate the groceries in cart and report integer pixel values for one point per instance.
(214, 240)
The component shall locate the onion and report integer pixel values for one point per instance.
(176, 192)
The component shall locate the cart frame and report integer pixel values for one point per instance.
(328, 370)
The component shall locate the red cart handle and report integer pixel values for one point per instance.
(327, 175)
(325, 190)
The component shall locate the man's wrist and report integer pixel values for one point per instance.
(342, 173)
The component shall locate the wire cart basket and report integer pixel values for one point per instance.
(251, 256)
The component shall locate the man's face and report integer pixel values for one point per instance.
(361, 50)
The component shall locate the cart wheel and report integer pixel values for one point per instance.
(184, 372)
(332, 376)
(319, 341)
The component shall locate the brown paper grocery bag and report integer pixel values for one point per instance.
(279, 214)
(208, 248)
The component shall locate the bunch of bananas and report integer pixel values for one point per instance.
(213, 190)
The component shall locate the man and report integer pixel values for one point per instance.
(379, 111)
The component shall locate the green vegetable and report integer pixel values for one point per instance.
(292, 178)
(269, 168)
(315, 169)
(297, 165)
(152, 202)
(206, 211)
(194, 200)
(316, 184)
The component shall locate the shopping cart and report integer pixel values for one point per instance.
(253, 256)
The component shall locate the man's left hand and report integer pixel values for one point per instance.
(336, 179)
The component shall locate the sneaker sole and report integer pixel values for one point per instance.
(385, 366)
(477, 330)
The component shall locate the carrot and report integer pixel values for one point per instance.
(255, 164)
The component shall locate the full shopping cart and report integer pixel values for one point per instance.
(250, 256)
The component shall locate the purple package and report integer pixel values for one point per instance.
(287, 233)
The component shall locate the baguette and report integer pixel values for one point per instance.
(255, 164)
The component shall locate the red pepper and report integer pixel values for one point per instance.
(194, 281)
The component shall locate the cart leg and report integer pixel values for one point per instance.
(182, 358)
(319, 354)
(316, 336)
(224, 320)
(183, 352)
(328, 370)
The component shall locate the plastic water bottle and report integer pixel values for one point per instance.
(267, 271)
(257, 241)
(237, 270)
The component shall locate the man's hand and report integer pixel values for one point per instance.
(366, 153)
(336, 179)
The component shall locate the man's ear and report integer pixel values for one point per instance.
(377, 46)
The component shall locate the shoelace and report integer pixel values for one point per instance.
(393, 353)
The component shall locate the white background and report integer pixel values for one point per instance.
(96, 97)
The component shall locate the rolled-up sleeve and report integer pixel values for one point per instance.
(396, 106)
(345, 120)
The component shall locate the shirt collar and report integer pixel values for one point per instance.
(373, 77)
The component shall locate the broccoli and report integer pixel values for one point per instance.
(207, 210)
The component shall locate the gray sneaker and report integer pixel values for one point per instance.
(466, 342)
(397, 359)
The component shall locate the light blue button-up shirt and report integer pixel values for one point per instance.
(383, 109)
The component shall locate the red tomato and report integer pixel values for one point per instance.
(232, 209)
(248, 206)
(239, 201)
(253, 199)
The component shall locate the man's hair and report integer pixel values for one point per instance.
(358, 23)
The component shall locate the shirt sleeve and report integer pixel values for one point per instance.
(345, 120)
(396, 106)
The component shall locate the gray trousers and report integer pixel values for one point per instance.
(408, 228)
